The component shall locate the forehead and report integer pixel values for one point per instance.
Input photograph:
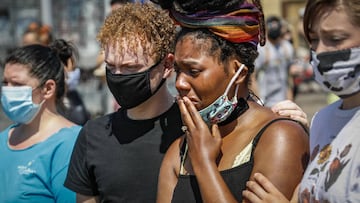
(16, 69)
(190, 46)
(18, 73)
(127, 50)
(332, 19)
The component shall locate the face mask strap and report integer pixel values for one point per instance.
(233, 80)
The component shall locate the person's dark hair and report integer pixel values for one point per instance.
(245, 52)
(190, 6)
(274, 27)
(273, 19)
(66, 50)
(316, 8)
(43, 63)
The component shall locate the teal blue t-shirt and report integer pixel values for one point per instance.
(37, 174)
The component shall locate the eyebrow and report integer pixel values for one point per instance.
(188, 62)
(128, 64)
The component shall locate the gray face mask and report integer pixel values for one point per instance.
(338, 71)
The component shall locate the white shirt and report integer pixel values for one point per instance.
(333, 174)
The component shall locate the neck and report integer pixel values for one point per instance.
(156, 105)
(45, 124)
(351, 102)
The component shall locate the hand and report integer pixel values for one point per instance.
(203, 145)
(261, 190)
(290, 109)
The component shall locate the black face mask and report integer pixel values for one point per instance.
(274, 29)
(274, 34)
(130, 90)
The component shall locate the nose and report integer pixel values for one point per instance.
(181, 84)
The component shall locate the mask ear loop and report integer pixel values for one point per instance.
(233, 80)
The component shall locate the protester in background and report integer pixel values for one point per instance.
(300, 70)
(272, 80)
(228, 135)
(30, 37)
(45, 35)
(36, 149)
(117, 157)
(74, 108)
(332, 28)
(35, 33)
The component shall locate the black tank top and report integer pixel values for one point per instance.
(187, 189)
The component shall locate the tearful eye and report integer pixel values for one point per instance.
(194, 72)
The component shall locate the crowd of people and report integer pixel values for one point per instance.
(232, 132)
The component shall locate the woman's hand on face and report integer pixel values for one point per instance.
(203, 145)
(261, 190)
(289, 109)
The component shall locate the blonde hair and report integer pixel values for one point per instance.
(142, 23)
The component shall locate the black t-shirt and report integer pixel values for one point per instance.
(118, 159)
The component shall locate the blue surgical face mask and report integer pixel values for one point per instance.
(222, 107)
(18, 105)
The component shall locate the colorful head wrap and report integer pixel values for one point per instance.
(238, 25)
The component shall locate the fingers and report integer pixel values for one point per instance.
(215, 131)
(265, 183)
(254, 192)
(292, 113)
(260, 186)
(286, 104)
(251, 197)
(297, 115)
(185, 114)
(193, 112)
(289, 109)
(262, 190)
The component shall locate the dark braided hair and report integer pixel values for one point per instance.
(244, 52)
(191, 6)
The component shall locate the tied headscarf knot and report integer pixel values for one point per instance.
(237, 26)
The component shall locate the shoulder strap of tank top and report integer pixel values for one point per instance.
(183, 153)
(258, 136)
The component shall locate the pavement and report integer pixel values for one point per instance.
(310, 99)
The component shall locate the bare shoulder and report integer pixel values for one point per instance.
(283, 130)
(284, 137)
(282, 154)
